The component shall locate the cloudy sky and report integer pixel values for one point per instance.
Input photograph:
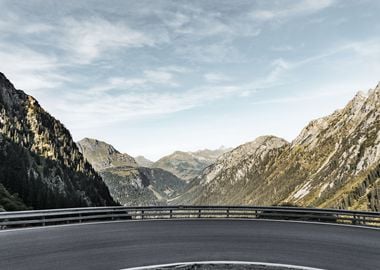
(151, 77)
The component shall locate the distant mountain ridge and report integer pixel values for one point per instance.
(187, 165)
(102, 155)
(39, 160)
(334, 162)
(129, 183)
(143, 161)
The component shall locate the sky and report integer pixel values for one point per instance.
(152, 77)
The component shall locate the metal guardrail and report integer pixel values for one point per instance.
(91, 214)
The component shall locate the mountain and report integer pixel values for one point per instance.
(334, 162)
(143, 161)
(129, 184)
(226, 180)
(40, 165)
(187, 165)
(102, 155)
(142, 186)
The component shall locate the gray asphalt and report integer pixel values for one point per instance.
(130, 244)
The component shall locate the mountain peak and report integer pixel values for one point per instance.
(354, 112)
(94, 144)
(362, 94)
(266, 140)
(4, 82)
(143, 161)
(103, 155)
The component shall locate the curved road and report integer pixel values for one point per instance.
(120, 245)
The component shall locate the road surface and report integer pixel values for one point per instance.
(126, 244)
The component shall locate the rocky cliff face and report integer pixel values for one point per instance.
(39, 160)
(187, 165)
(130, 184)
(332, 163)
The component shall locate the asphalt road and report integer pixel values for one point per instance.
(129, 244)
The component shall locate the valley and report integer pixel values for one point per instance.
(333, 163)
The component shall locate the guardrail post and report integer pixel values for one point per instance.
(142, 214)
(171, 213)
(43, 221)
(228, 213)
(3, 227)
(199, 213)
(355, 220)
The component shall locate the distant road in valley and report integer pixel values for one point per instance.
(121, 245)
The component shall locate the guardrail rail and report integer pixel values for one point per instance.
(93, 214)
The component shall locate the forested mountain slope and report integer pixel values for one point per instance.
(38, 158)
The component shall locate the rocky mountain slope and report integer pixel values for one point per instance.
(187, 165)
(40, 165)
(334, 162)
(142, 186)
(143, 161)
(129, 184)
(102, 155)
(225, 181)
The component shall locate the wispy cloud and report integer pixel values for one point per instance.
(99, 109)
(12, 23)
(161, 77)
(93, 63)
(216, 78)
(103, 108)
(200, 22)
(175, 69)
(87, 39)
(365, 48)
(29, 69)
(283, 48)
(220, 52)
(296, 8)
(147, 81)
(324, 92)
